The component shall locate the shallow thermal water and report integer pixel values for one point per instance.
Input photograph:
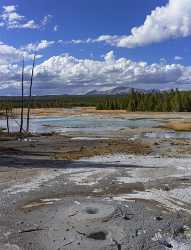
(90, 126)
(96, 125)
(83, 123)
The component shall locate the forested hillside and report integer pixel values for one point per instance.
(169, 101)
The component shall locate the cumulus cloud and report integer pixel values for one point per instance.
(67, 74)
(167, 22)
(8, 73)
(93, 74)
(10, 54)
(170, 21)
(11, 19)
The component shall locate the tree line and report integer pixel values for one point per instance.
(166, 101)
(52, 101)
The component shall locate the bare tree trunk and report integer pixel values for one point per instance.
(7, 118)
(22, 100)
(30, 94)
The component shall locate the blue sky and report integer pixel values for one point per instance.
(85, 45)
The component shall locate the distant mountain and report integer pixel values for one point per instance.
(116, 91)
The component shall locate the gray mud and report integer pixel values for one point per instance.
(49, 202)
(41, 220)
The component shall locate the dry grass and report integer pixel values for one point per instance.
(112, 147)
(92, 111)
(178, 126)
(70, 111)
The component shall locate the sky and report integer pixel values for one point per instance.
(84, 45)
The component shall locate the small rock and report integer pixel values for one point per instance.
(166, 244)
(159, 218)
(166, 187)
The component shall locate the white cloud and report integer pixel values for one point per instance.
(43, 44)
(30, 25)
(78, 41)
(109, 57)
(9, 8)
(65, 71)
(170, 21)
(55, 28)
(67, 74)
(167, 22)
(178, 58)
(46, 20)
(10, 19)
(8, 72)
(10, 54)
